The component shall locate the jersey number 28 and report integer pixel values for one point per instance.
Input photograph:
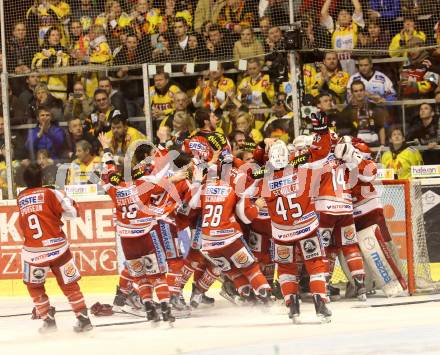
(214, 212)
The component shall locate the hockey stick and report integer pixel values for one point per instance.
(120, 323)
(29, 314)
(395, 304)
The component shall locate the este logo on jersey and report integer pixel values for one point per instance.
(279, 183)
(34, 199)
(217, 191)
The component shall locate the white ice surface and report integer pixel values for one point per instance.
(225, 329)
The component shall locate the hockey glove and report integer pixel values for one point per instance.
(319, 122)
(348, 153)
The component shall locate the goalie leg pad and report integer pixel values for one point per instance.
(375, 257)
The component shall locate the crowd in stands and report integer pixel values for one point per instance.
(63, 112)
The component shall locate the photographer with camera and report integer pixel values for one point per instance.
(78, 104)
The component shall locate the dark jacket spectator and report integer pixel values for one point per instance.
(219, 46)
(387, 9)
(128, 55)
(116, 97)
(42, 97)
(27, 94)
(76, 133)
(46, 135)
(425, 128)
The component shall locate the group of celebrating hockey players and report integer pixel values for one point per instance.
(290, 213)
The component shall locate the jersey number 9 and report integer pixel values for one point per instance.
(34, 224)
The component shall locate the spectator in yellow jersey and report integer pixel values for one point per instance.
(52, 13)
(212, 92)
(401, 156)
(85, 164)
(326, 76)
(344, 32)
(53, 55)
(256, 88)
(162, 97)
(235, 15)
(400, 41)
(114, 20)
(146, 20)
(121, 136)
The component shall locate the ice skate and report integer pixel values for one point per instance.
(49, 324)
(196, 297)
(264, 295)
(294, 311)
(83, 323)
(229, 292)
(151, 312)
(207, 300)
(334, 293)
(323, 313)
(276, 290)
(119, 300)
(179, 306)
(359, 285)
(165, 309)
(133, 301)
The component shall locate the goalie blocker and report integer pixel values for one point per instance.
(378, 257)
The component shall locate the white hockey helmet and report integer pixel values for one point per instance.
(279, 155)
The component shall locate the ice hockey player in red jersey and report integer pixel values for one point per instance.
(368, 210)
(136, 224)
(222, 241)
(46, 249)
(336, 224)
(286, 188)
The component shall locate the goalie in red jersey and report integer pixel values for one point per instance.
(46, 249)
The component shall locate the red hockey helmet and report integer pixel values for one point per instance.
(360, 145)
